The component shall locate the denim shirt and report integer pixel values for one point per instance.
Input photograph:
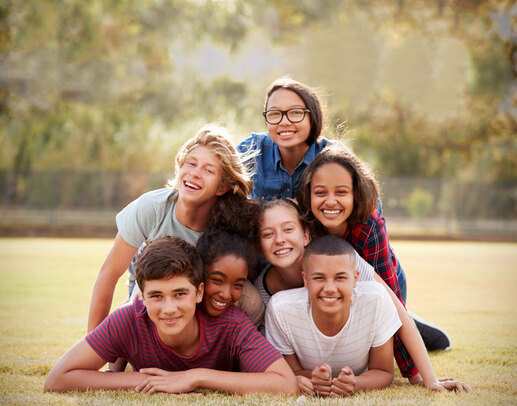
(270, 178)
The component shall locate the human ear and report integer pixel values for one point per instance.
(304, 279)
(221, 190)
(306, 237)
(200, 291)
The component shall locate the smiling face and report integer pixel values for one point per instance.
(285, 134)
(282, 237)
(332, 197)
(200, 177)
(224, 282)
(171, 305)
(330, 281)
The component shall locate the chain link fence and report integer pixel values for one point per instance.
(413, 207)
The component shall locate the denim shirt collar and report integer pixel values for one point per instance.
(307, 158)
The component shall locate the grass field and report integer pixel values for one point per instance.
(468, 288)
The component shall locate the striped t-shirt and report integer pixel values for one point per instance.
(229, 342)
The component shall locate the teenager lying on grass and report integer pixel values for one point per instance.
(336, 333)
(173, 345)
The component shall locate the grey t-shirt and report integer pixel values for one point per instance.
(151, 216)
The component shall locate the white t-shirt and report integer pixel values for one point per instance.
(372, 322)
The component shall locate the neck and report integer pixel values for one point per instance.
(193, 216)
(184, 343)
(338, 231)
(330, 324)
(292, 156)
(285, 278)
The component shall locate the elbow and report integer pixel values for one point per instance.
(51, 383)
(290, 386)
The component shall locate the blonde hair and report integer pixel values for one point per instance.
(234, 174)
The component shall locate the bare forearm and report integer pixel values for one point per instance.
(242, 383)
(414, 344)
(102, 297)
(83, 380)
(373, 379)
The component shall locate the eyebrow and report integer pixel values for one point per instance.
(223, 274)
(345, 186)
(179, 290)
(293, 106)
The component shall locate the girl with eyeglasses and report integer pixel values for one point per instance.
(294, 117)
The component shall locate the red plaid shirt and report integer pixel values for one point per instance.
(370, 239)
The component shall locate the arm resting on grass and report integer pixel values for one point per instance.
(412, 340)
(79, 368)
(112, 269)
(277, 378)
(303, 376)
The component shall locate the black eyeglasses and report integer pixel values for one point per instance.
(293, 115)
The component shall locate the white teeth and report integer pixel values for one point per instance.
(192, 185)
(330, 299)
(331, 211)
(283, 251)
(217, 303)
(286, 132)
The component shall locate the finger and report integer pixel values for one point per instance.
(153, 371)
(347, 371)
(445, 379)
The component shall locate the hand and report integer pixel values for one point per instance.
(344, 384)
(305, 385)
(416, 380)
(159, 380)
(321, 379)
(450, 384)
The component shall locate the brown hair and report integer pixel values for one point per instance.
(366, 188)
(234, 174)
(270, 204)
(310, 98)
(167, 257)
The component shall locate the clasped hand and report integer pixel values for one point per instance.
(158, 380)
(322, 383)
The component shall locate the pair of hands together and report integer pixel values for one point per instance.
(321, 382)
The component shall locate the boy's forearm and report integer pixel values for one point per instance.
(242, 383)
(373, 379)
(83, 380)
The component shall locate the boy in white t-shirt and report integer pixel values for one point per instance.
(336, 333)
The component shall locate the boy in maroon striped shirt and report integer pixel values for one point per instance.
(170, 340)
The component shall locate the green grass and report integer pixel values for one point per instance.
(468, 288)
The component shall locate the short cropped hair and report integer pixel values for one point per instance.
(365, 186)
(235, 175)
(330, 245)
(310, 98)
(167, 257)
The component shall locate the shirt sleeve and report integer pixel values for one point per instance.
(276, 331)
(137, 219)
(365, 270)
(254, 352)
(375, 249)
(252, 304)
(107, 340)
(387, 319)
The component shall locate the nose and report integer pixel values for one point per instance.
(279, 238)
(224, 292)
(331, 199)
(284, 120)
(169, 306)
(329, 286)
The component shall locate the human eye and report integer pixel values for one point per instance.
(273, 115)
(155, 296)
(239, 286)
(297, 113)
(216, 281)
(180, 294)
(319, 192)
(266, 234)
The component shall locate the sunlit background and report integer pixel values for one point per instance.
(96, 96)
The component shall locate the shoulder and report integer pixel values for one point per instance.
(290, 298)
(157, 196)
(371, 291)
(255, 141)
